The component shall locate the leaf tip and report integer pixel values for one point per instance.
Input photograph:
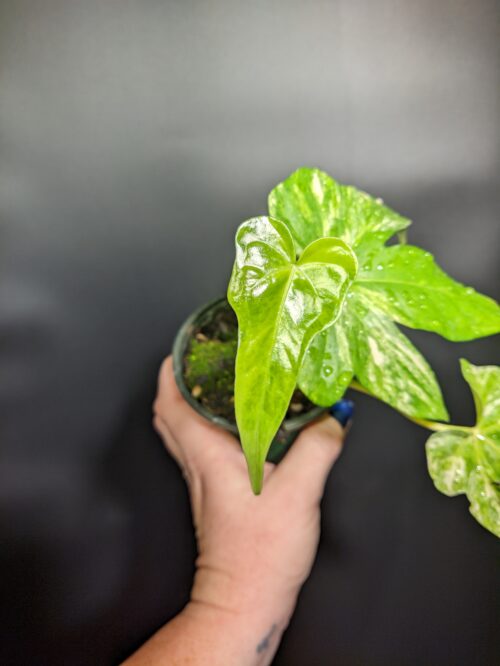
(464, 365)
(256, 475)
(444, 414)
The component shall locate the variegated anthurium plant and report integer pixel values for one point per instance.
(318, 293)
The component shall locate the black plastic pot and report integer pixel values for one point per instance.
(289, 429)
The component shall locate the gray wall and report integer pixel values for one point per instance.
(134, 137)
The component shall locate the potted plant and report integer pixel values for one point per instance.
(316, 291)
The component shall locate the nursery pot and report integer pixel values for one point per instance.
(289, 428)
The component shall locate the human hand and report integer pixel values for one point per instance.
(255, 552)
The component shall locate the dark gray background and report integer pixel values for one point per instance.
(134, 137)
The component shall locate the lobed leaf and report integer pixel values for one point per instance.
(281, 304)
(468, 460)
(405, 283)
(389, 366)
(397, 283)
(313, 205)
(379, 355)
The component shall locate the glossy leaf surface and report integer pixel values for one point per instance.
(380, 356)
(405, 283)
(468, 461)
(389, 366)
(397, 283)
(327, 369)
(281, 304)
(314, 205)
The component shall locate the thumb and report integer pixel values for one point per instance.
(308, 462)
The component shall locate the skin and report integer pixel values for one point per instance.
(254, 552)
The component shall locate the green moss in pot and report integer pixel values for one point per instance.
(204, 356)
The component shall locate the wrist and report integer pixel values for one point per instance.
(248, 617)
(235, 637)
(248, 596)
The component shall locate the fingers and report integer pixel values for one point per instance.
(192, 435)
(307, 464)
(193, 441)
(172, 446)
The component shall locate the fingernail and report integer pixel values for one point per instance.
(343, 411)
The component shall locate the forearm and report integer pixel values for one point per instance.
(203, 634)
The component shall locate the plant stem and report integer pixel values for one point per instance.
(437, 426)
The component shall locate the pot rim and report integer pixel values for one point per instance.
(178, 351)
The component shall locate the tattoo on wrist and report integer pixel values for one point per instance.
(264, 643)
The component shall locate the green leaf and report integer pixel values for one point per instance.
(327, 368)
(484, 497)
(399, 283)
(405, 283)
(382, 358)
(450, 459)
(388, 365)
(467, 460)
(281, 304)
(313, 205)
(484, 382)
